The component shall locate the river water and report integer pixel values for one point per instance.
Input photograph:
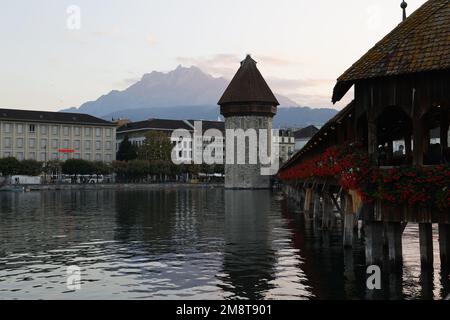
(186, 243)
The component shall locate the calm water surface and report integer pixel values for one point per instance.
(172, 243)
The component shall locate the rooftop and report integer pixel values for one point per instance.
(306, 132)
(248, 85)
(52, 117)
(419, 44)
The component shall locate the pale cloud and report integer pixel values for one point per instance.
(226, 64)
(288, 85)
(151, 40)
(113, 32)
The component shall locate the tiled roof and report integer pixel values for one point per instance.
(207, 124)
(307, 132)
(168, 124)
(336, 120)
(53, 117)
(419, 44)
(248, 85)
(161, 124)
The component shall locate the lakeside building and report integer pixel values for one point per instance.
(302, 136)
(137, 131)
(44, 136)
(286, 143)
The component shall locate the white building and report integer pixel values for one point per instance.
(44, 136)
(136, 133)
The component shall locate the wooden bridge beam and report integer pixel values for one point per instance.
(349, 220)
(426, 245)
(444, 244)
(394, 235)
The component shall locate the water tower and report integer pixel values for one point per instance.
(247, 103)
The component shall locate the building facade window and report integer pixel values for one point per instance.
(19, 143)
(55, 130)
(19, 156)
(87, 145)
(43, 129)
(7, 128)
(32, 156)
(7, 142)
(55, 143)
(66, 131)
(31, 128)
(32, 143)
(77, 131)
(108, 132)
(20, 129)
(76, 144)
(98, 157)
(98, 132)
(43, 143)
(87, 132)
(66, 144)
(98, 145)
(108, 145)
(42, 156)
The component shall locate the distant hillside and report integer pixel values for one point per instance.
(297, 117)
(186, 93)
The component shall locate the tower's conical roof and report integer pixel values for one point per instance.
(248, 85)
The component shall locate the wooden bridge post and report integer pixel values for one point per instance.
(316, 209)
(349, 220)
(309, 203)
(373, 236)
(327, 212)
(426, 245)
(394, 236)
(444, 244)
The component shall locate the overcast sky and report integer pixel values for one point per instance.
(49, 61)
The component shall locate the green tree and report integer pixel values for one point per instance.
(10, 166)
(78, 166)
(156, 147)
(138, 169)
(127, 151)
(31, 167)
(120, 168)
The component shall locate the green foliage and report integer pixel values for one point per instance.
(156, 147)
(10, 166)
(31, 168)
(78, 166)
(127, 151)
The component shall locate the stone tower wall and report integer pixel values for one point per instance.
(247, 176)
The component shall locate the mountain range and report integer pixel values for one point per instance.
(186, 93)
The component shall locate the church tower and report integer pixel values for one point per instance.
(247, 103)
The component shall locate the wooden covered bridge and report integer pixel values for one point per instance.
(384, 159)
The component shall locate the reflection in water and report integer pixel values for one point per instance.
(191, 243)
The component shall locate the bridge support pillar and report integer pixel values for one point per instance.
(374, 243)
(309, 202)
(327, 212)
(444, 244)
(426, 245)
(394, 237)
(349, 221)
